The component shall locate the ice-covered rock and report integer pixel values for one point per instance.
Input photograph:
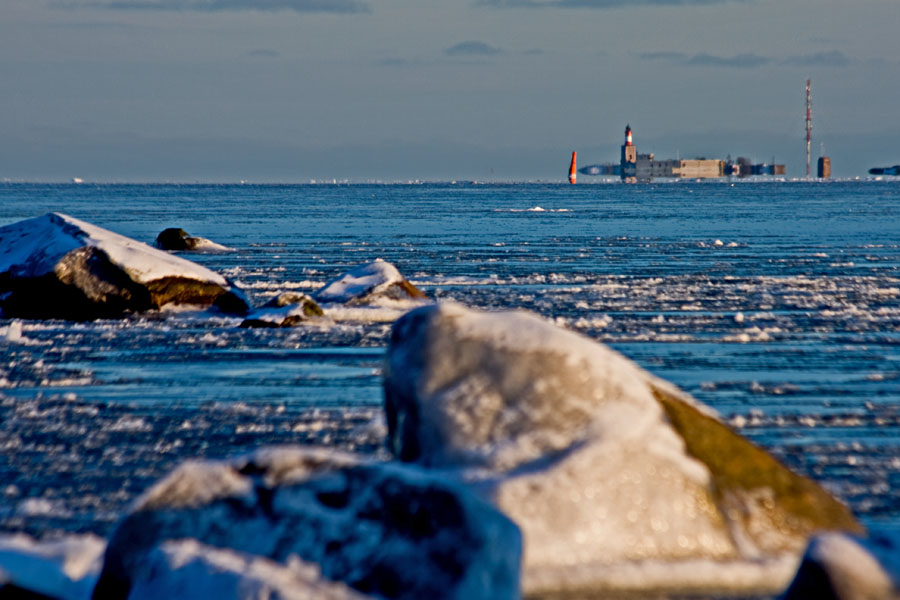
(367, 284)
(385, 529)
(65, 568)
(617, 479)
(287, 309)
(842, 567)
(56, 266)
(175, 238)
(189, 569)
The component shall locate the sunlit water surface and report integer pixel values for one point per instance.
(776, 303)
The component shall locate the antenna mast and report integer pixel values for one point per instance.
(808, 124)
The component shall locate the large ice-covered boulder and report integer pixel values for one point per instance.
(56, 266)
(842, 567)
(189, 569)
(287, 309)
(63, 568)
(617, 479)
(368, 283)
(384, 529)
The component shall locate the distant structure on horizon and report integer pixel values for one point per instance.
(892, 171)
(643, 168)
(824, 167)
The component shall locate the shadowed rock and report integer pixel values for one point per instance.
(618, 480)
(56, 266)
(841, 567)
(367, 284)
(287, 309)
(177, 239)
(384, 529)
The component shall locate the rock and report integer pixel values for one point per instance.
(842, 567)
(65, 568)
(384, 529)
(56, 266)
(175, 238)
(619, 481)
(288, 309)
(367, 284)
(188, 569)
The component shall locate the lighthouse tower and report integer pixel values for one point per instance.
(628, 163)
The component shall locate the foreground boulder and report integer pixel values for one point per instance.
(56, 266)
(619, 481)
(384, 529)
(368, 284)
(175, 238)
(842, 567)
(287, 309)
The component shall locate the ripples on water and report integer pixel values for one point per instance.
(776, 303)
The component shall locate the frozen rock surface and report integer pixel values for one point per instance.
(287, 309)
(175, 238)
(56, 266)
(384, 529)
(189, 569)
(66, 568)
(618, 480)
(368, 284)
(842, 567)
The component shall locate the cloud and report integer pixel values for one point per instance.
(472, 48)
(738, 61)
(332, 6)
(593, 3)
(262, 53)
(833, 58)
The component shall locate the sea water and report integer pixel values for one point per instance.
(776, 303)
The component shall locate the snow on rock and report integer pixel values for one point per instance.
(175, 238)
(842, 567)
(189, 569)
(385, 529)
(368, 284)
(65, 568)
(56, 266)
(287, 309)
(618, 480)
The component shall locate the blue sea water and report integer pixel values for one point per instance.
(776, 303)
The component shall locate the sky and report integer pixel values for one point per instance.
(397, 90)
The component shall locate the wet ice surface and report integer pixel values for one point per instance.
(777, 304)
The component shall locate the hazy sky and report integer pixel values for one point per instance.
(291, 90)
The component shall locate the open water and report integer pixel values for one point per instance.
(776, 303)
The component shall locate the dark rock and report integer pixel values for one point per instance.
(842, 567)
(175, 238)
(288, 309)
(56, 266)
(384, 529)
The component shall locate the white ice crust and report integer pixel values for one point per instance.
(189, 569)
(66, 568)
(34, 246)
(360, 281)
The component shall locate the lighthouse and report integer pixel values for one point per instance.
(628, 163)
(572, 167)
